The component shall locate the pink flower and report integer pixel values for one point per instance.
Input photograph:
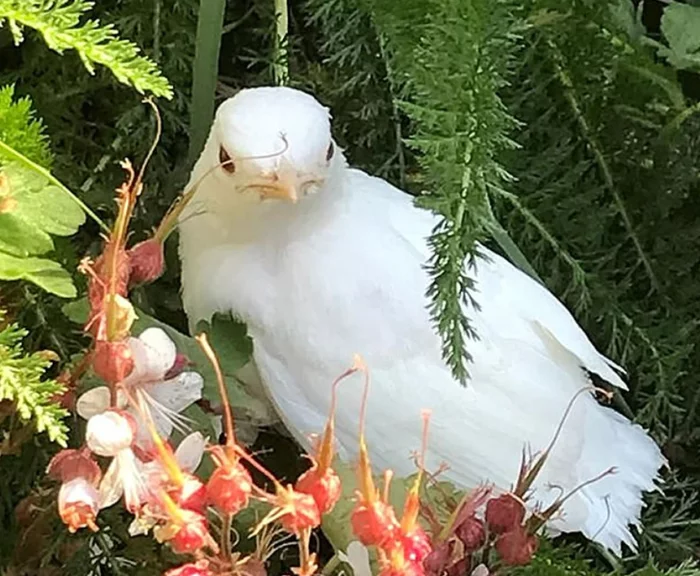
(154, 355)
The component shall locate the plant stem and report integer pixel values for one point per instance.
(280, 66)
(211, 356)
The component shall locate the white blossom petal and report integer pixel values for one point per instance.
(190, 451)
(96, 400)
(111, 488)
(177, 393)
(108, 433)
(154, 353)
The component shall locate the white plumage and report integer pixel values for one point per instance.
(339, 271)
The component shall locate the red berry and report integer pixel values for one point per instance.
(472, 534)
(374, 524)
(147, 261)
(112, 361)
(192, 535)
(504, 513)
(416, 545)
(303, 513)
(325, 489)
(517, 547)
(229, 488)
(436, 561)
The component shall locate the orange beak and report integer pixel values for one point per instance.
(280, 190)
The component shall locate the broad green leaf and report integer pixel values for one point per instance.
(680, 25)
(44, 273)
(20, 238)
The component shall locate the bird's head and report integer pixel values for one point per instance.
(269, 145)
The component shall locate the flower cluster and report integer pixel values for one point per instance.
(127, 456)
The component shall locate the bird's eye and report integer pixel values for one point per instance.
(330, 152)
(225, 161)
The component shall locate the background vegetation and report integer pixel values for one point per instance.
(575, 122)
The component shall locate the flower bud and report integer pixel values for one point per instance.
(112, 361)
(109, 433)
(435, 562)
(229, 488)
(472, 534)
(516, 547)
(324, 489)
(303, 513)
(504, 513)
(416, 545)
(200, 568)
(147, 261)
(191, 536)
(78, 504)
(374, 523)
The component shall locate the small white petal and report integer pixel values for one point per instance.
(135, 489)
(179, 392)
(480, 570)
(189, 452)
(154, 353)
(108, 433)
(78, 491)
(111, 488)
(358, 558)
(93, 402)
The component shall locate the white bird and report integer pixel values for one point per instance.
(323, 261)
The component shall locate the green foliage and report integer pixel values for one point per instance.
(22, 383)
(680, 26)
(448, 83)
(32, 208)
(59, 23)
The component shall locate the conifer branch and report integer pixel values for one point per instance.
(59, 22)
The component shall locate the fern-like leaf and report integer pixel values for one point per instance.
(59, 22)
(22, 384)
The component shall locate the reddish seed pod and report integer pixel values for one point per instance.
(112, 361)
(434, 564)
(374, 524)
(416, 545)
(229, 488)
(516, 547)
(325, 489)
(192, 536)
(472, 534)
(147, 261)
(303, 513)
(504, 513)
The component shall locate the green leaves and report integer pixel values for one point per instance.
(32, 208)
(21, 383)
(680, 26)
(59, 22)
(449, 59)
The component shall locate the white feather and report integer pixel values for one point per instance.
(342, 273)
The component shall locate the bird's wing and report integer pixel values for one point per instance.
(518, 295)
